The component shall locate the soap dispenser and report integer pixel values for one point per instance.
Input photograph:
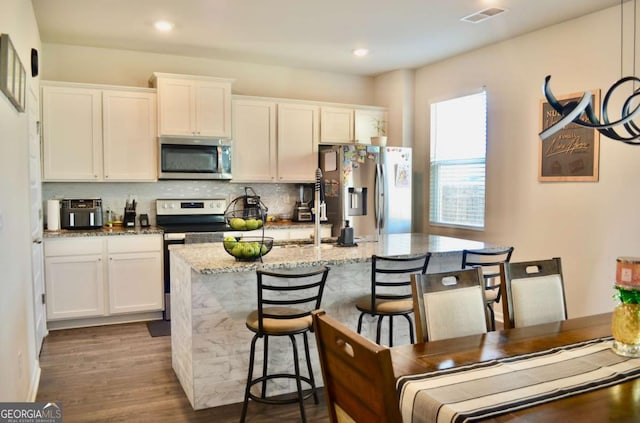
(346, 235)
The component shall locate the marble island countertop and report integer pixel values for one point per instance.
(211, 258)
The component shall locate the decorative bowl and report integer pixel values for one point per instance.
(244, 220)
(248, 248)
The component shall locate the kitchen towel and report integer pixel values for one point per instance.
(53, 215)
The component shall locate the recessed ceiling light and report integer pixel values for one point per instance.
(163, 26)
(360, 52)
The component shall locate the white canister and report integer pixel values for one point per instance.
(53, 215)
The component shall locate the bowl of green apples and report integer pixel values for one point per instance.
(249, 248)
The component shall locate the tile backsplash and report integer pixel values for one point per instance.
(279, 198)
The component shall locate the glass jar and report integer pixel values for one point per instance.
(109, 218)
(625, 327)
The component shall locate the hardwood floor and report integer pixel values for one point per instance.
(120, 373)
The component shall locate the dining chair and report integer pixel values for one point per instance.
(358, 376)
(285, 301)
(449, 304)
(390, 294)
(489, 260)
(533, 292)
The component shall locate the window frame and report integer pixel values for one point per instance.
(467, 161)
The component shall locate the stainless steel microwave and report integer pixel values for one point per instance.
(182, 158)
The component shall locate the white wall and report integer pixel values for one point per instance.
(123, 67)
(16, 311)
(588, 225)
(395, 90)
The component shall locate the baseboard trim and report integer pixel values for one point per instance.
(101, 321)
(35, 382)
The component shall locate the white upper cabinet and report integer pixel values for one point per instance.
(190, 106)
(274, 141)
(72, 133)
(254, 141)
(98, 134)
(298, 133)
(346, 125)
(336, 125)
(129, 135)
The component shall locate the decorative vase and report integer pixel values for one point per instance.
(625, 327)
(625, 321)
(381, 141)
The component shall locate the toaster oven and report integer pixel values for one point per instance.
(81, 213)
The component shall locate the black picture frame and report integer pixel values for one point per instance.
(13, 77)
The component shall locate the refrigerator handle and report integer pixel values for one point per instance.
(379, 197)
(376, 195)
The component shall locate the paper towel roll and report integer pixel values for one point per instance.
(53, 215)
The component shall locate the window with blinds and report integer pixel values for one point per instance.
(458, 155)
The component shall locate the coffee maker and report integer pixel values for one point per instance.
(302, 208)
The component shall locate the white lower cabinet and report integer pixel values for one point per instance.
(135, 274)
(79, 285)
(74, 286)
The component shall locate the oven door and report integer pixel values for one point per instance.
(194, 159)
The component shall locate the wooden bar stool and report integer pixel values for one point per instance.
(391, 290)
(285, 302)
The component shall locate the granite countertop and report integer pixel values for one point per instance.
(212, 258)
(71, 233)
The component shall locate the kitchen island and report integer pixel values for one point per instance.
(212, 294)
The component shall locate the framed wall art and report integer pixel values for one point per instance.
(13, 77)
(573, 153)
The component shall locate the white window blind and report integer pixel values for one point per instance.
(458, 155)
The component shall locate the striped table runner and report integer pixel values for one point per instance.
(491, 388)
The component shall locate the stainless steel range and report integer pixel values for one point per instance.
(187, 221)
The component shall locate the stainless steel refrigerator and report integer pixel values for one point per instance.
(369, 186)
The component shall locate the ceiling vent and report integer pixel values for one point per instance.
(483, 15)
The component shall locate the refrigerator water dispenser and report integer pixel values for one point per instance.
(357, 201)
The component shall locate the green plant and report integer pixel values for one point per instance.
(380, 125)
(627, 295)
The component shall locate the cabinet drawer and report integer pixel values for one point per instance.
(134, 243)
(73, 246)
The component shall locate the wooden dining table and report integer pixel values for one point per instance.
(620, 402)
